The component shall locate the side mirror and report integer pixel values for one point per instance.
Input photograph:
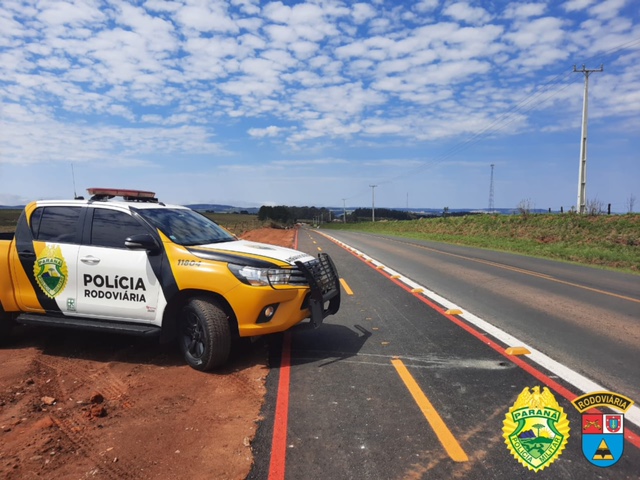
(142, 242)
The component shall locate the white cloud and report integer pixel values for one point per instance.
(524, 10)
(70, 13)
(12, 200)
(308, 163)
(575, 5)
(93, 81)
(608, 9)
(466, 13)
(426, 5)
(167, 6)
(362, 12)
(540, 31)
(270, 131)
(206, 17)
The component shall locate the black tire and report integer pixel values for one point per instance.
(204, 334)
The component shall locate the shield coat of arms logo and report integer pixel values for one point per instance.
(536, 429)
(50, 271)
(602, 433)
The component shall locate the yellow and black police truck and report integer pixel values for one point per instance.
(122, 261)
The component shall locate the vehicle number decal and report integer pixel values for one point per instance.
(189, 263)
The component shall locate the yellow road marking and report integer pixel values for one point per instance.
(526, 272)
(346, 287)
(445, 436)
(319, 249)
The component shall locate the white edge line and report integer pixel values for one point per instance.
(579, 381)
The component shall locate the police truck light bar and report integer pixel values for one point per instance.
(117, 192)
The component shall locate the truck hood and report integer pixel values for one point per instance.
(287, 255)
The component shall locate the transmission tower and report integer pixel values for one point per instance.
(491, 191)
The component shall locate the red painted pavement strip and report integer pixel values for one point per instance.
(632, 437)
(277, 463)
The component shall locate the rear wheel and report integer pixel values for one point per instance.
(204, 334)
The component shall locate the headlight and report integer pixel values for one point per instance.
(260, 276)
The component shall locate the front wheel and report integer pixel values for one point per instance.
(204, 334)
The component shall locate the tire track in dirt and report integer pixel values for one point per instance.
(73, 417)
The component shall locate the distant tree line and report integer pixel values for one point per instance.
(364, 214)
(381, 214)
(288, 215)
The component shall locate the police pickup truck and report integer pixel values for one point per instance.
(124, 262)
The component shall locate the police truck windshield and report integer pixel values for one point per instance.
(184, 226)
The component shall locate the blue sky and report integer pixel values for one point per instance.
(251, 103)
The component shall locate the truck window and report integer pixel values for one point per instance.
(35, 221)
(110, 228)
(184, 226)
(57, 224)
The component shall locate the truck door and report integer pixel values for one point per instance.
(47, 247)
(113, 281)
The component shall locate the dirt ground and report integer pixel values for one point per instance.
(77, 405)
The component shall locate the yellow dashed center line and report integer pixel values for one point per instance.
(346, 287)
(526, 272)
(319, 249)
(443, 433)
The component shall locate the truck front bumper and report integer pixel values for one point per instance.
(324, 283)
(313, 293)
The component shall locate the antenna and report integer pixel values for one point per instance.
(73, 177)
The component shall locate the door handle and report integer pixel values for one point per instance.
(90, 260)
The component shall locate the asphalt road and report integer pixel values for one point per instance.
(351, 411)
(586, 318)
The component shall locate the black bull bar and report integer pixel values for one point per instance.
(324, 282)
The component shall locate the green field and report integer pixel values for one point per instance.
(8, 219)
(608, 241)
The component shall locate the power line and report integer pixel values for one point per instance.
(506, 117)
(540, 96)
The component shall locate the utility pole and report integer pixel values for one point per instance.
(344, 211)
(373, 202)
(491, 191)
(582, 174)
